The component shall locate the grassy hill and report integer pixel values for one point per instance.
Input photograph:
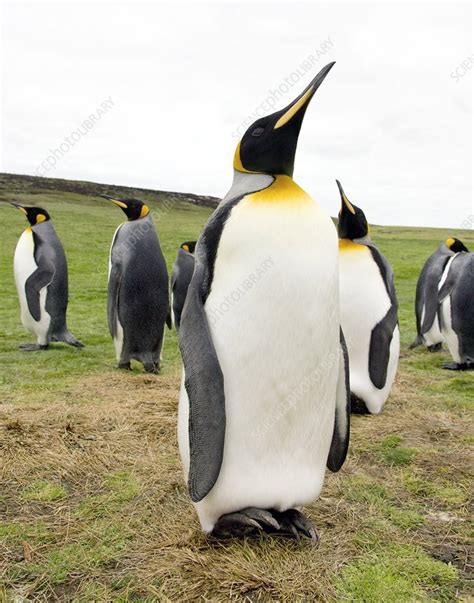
(92, 502)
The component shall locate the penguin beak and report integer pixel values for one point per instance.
(302, 101)
(19, 207)
(120, 204)
(269, 144)
(345, 203)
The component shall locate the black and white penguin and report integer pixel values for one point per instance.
(264, 403)
(426, 303)
(137, 306)
(41, 278)
(181, 277)
(369, 311)
(456, 310)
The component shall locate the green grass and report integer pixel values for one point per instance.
(120, 487)
(102, 544)
(381, 501)
(395, 573)
(44, 492)
(438, 490)
(393, 453)
(93, 506)
(15, 532)
(86, 227)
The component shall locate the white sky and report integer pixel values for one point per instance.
(392, 120)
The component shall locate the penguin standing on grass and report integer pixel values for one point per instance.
(137, 306)
(426, 303)
(181, 277)
(41, 279)
(369, 311)
(456, 310)
(264, 403)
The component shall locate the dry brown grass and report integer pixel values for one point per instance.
(123, 425)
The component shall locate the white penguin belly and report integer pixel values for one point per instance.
(364, 302)
(23, 266)
(278, 346)
(433, 335)
(449, 333)
(118, 339)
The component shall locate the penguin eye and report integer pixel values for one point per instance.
(258, 131)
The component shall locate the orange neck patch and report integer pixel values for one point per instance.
(144, 211)
(283, 190)
(349, 245)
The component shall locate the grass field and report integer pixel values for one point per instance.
(92, 502)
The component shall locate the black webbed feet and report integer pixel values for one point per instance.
(254, 522)
(458, 366)
(32, 347)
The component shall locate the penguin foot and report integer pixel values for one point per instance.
(247, 522)
(418, 341)
(125, 366)
(76, 343)
(32, 347)
(295, 525)
(457, 366)
(66, 337)
(253, 522)
(151, 367)
(435, 348)
(358, 406)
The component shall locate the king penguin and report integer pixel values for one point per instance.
(264, 403)
(41, 279)
(426, 303)
(456, 310)
(137, 306)
(369, 311)
(181, 277)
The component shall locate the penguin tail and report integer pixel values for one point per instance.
(418, 341)
(68, 338)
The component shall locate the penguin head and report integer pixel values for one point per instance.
(455, 245)
(352, 221)
(269, 144)
(189, 246)
(133, 208)
(34, 215)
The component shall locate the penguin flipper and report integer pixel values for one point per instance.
(431, 299)
(386, 273)
(416, 342)
(40, 278)
(340, 437)
(174, 276)
(379, 349)
(112, 299)
(204, 383)
(382, 333)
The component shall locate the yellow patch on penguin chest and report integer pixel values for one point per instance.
(283, 190)
(349, 245)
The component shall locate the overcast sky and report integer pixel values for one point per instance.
(170, 86)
